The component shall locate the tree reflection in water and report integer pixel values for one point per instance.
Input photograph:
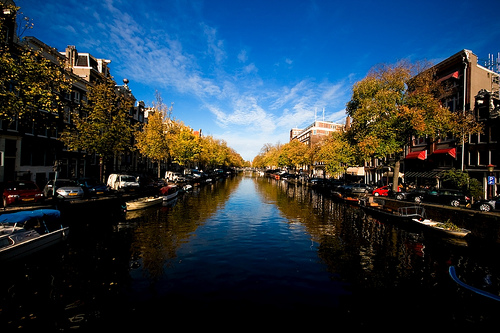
(256, 250)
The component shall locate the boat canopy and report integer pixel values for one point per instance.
(23, 216)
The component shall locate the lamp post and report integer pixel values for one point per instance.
(491, 180)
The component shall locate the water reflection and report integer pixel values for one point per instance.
(253, 249)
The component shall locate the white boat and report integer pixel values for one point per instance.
(446, 228)
(26, 232)
(143, 203)
(169, 192)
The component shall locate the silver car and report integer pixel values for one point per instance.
(65, 188)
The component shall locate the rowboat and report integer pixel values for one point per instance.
(448, 228)
(455, 278)
(26, 232)
(143, 203)
(169, 192)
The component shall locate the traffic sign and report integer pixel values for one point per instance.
(491, 180)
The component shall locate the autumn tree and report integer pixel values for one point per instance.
(395, 103)
(103, 126)
(185, 146)
(293, 154)
(152, 140)
(29, 82)
(336, 153)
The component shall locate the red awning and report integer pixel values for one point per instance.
(454, 75)
(421, 155)
(451, 151)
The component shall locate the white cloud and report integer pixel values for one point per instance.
(242, 56)
(248, 110)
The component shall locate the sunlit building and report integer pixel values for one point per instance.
(475, 90)
(315, 132)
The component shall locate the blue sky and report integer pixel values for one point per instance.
(249, 71)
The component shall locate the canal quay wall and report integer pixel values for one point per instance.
(109, 204)
(483, 225)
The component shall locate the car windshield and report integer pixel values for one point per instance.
(63, 183)
(21, 186)
(90, 182)
(128, 179)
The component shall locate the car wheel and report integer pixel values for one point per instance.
(399, 197)
(455, 203)
(485, 207)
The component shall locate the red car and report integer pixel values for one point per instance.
(16, 192)
(382, 191)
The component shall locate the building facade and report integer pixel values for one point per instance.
(315, 132)
(474, 90)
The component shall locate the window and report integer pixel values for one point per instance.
(494, 158)
(419, 141)
(75, 96)
(494, 134)
(482, 138)
(67, 114)
(483, 157)
(473, 158)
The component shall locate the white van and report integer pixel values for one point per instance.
(122, 182)
(172, 175)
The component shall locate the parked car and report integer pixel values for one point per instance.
(358, 188)
(65, 188)
(382, 191)
(17, 192)
(121, 182)
(318, 182)
(487, 205)
(93, 187)
(454, 198)
(413, 195)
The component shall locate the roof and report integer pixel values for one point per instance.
(27, 215)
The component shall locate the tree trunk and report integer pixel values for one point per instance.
(101, 173)
(395, 176)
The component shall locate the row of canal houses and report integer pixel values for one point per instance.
(30, 149)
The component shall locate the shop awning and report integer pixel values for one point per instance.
(450, 151)
(423, 174)
(421, 155)
(454, 75)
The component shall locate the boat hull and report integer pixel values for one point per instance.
(439, 227)
(143, 203)
(28, 247)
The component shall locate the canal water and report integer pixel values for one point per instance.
(245, 253)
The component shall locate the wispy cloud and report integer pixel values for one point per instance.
(190, 58)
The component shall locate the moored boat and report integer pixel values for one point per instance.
(26, 232)
(143, 202)
(405, 213)
(446, 228)
(169, 192)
